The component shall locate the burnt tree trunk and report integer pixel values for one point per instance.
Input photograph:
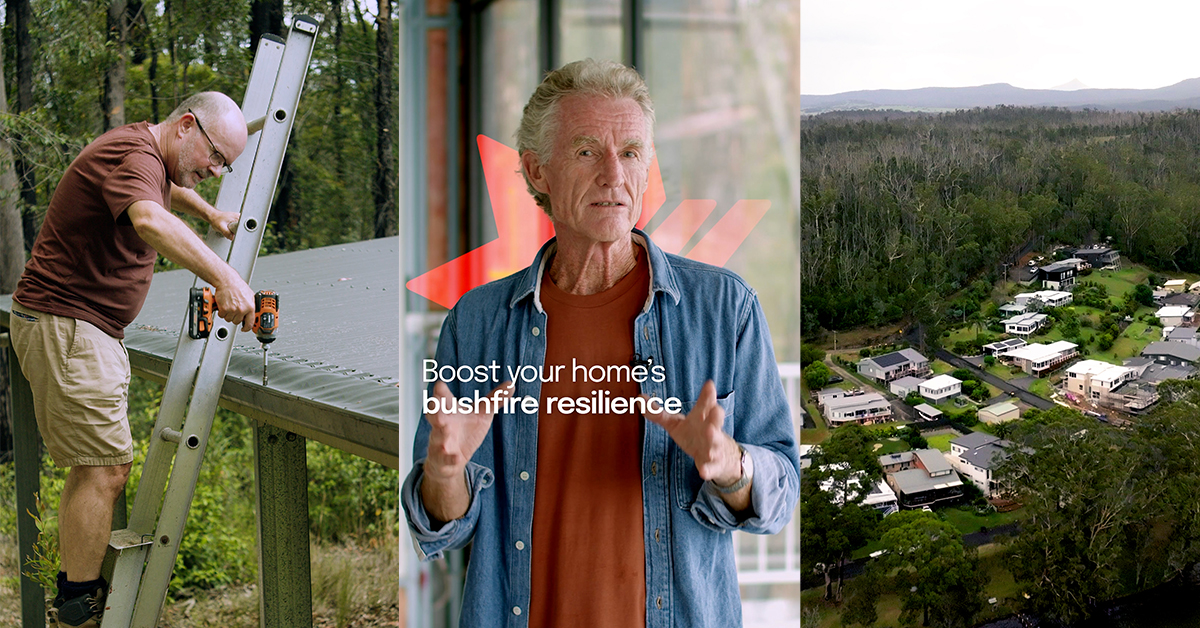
(386, 129)
(114, 75)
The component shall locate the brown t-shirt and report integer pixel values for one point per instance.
(588, 561)
(88, 261)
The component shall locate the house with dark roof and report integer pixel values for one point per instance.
(1057, 276)
(890, 366)
(1100, 256)
(1154, 373)
(1186, 299)
(929, 480)
(1172, 353)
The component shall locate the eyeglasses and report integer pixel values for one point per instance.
(219, 159)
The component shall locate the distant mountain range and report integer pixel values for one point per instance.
(1182, 95)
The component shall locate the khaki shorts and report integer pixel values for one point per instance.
(80, 381)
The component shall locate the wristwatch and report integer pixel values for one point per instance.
(747, 474)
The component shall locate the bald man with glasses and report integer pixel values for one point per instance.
(109, 219)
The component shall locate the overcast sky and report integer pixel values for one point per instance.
(849, 45)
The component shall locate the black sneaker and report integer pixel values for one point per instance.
(84, 611)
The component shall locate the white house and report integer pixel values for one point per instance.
(864, 409)
(1174, 315)
(1000, 346)
(1094, 381)
(1039, 359)
(940, 388)
(880, 496)
(1025, 324)
(1043, 299)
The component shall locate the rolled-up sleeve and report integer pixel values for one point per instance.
(428, 542)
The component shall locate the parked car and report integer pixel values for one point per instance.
(835, 379)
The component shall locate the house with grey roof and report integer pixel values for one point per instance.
(891, 366)
(901, 387)
(1154, 373)
(1025, 324)
(977, 455)
(1172, 353)
(1186, 335)
(929, 481)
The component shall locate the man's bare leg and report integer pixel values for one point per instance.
(85, 518)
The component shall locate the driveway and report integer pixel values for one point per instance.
(1021, 392)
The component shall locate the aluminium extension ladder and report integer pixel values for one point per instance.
(146, 550)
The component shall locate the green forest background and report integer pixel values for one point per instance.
(73, 70)
(903, 211)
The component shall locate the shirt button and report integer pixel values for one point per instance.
(656, 535)
(520, 545)
(658, 602)
(517, 609)
(524, 475)
(653, 468)
(536, 331)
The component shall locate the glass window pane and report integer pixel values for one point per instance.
(725, 81)
(590, 28)
(509, 74)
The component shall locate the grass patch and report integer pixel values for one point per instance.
(1040, 387)
(964, 519)
(940, 367)
(941, 442)
(889, 446)
(1001, 371)
(1120, 281)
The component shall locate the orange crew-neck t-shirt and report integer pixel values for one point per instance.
(588, 561)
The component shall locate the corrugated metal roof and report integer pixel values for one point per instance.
(334, 367)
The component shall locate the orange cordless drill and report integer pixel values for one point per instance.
(202, 306)
(266, 321)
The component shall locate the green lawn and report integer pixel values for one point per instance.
(891, 446)
(1003, 372)
(967, 522)
(1119, 282)
(941, 442)
(1040, 387)
(940, 367)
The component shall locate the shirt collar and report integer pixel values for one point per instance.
(662, 277)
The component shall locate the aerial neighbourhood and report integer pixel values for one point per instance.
(1020, 460)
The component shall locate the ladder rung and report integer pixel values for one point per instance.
(125, 538)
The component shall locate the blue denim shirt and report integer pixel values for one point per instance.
(699, 321)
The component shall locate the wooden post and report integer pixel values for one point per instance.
(26, 448)
(281, 479)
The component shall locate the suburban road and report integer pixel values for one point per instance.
(1022, 394)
